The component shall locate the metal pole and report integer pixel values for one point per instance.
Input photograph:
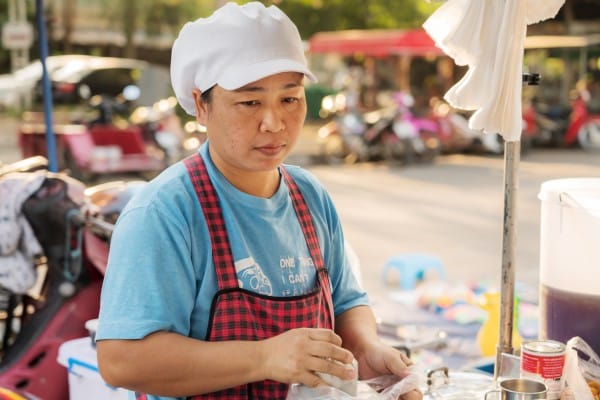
(43, 39)
(507, 290)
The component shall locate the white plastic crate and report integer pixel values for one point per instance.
(85, 382)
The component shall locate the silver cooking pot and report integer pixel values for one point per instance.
(443, 384)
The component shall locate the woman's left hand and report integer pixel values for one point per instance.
(382, 359)
(357, 328)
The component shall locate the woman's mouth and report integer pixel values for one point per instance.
(271, 149)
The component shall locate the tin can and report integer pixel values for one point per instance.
(544, 360)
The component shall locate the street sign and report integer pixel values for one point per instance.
(17, 35)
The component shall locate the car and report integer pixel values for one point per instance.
(84, 78)
(17, 87)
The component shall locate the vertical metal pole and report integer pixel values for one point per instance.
(12, 18)
(507, 290)
(43, 39)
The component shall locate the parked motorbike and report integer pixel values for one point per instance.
(162, 127)
(575, 125)
(427, 134)
(584, 125)
(73, 225)
(550, 121)
(457, 136)
(382, 134)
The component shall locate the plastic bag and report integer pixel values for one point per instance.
(387, 387)
(582, 365)
(589, 361)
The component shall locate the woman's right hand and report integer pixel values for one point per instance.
(295, 355)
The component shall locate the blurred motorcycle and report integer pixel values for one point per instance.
(560, 125)
(73, 226)
(584, 125)
(549, 121)
(383, 134)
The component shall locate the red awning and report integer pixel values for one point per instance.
(374, 42)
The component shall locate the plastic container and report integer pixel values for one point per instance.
(570, 260)
(85, 383)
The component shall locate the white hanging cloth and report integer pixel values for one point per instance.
(18, 243)
(488, 36)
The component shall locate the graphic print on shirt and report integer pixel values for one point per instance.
(297, 275)
(251, 277)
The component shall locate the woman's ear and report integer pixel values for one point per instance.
(201, 107)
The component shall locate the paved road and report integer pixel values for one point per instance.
(452, 209)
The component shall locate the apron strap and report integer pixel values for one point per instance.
(221, 249)
(310, 235)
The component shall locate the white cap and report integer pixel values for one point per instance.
(235, 46)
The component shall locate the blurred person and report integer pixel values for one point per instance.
(228, 276)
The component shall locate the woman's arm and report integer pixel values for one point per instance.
(170, 364)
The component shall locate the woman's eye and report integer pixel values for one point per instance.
(291, 103)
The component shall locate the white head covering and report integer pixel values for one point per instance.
(235, 46)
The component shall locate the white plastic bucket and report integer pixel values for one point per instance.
(85, 382)
(570, 260)
(570, 234)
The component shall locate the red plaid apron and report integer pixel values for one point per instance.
(238, 314)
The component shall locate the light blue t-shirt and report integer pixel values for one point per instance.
(161, 276)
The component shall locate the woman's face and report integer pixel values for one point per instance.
(253, 129)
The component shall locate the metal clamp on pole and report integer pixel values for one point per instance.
(532, 79)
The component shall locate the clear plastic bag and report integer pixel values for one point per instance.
(582, 365)
(387, 387)
(589, 361)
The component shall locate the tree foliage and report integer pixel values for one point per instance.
(169, 15)
(158, 17)
(313, 16)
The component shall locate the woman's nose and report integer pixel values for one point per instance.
(271, 120)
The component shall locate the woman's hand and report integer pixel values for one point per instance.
(294, 357)
(381, 359)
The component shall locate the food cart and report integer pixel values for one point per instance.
(490, 39)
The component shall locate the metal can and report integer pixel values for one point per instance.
(544, 360)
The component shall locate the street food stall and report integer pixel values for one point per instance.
(489, 40)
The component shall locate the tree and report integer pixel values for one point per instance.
(167, 16)
(314, 16)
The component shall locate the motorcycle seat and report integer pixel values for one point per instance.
(128, 139)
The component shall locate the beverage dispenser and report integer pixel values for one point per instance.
(570, 260)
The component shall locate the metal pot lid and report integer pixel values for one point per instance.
(443, 384)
